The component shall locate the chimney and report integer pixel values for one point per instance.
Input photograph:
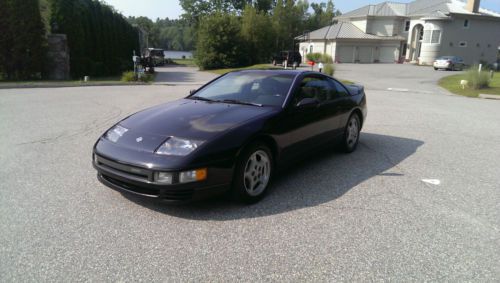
(473, 6)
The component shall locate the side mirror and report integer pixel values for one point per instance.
(192, 91)
(307, 103)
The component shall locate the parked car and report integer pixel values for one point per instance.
(290, 57)
(230, 135)
(452, 63)
(157, 56)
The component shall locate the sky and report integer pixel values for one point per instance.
(170, 8)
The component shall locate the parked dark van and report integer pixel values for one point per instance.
(292, 56)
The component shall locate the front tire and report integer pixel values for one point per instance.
(253, 174)
(351, 133)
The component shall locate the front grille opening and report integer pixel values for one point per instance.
(128, 187)
(142, 176)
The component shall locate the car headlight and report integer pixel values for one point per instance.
(178, 146)
(115, 133)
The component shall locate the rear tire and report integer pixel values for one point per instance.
(435, 69)
(351, 133)
(253, 173)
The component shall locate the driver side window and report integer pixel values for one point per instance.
(314, 87)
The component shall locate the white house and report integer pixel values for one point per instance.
(419, 32)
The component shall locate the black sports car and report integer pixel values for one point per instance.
(230, 135)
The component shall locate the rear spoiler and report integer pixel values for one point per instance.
(355, 89)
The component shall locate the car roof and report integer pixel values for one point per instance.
(276, 71)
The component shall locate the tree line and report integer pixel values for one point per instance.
(230, 33)
(176, 34)
(22, 39)
(100, 40)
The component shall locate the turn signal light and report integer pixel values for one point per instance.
(193, 176)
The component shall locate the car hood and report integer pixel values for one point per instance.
(185, 118)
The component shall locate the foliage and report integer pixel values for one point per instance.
(252, 67)
(477, 80)
(130, 76)
(452, 84)
(22, 40)
(329, 69)
(256, 34)
(100, 40)
(267, 26)
(322, 16)
(165, 33)
(319, 57)
(220, 43)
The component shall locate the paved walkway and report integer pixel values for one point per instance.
(181, 75)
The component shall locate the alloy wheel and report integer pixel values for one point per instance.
(257, 173)
(352, 132)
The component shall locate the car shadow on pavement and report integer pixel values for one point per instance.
(320, 179)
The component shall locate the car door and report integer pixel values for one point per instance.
(342, 105)
(309, 127)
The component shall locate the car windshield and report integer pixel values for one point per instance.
(445, 58)
(260, 88)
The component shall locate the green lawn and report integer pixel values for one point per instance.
(185, 62)
(452, 84)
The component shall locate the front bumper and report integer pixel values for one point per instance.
(139, 181)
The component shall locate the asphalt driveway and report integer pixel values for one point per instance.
(368, 216)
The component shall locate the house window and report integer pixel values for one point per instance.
(432, 36)
(436, 36)
(466, 23)
(462, 44)
(427, 36)
(407, 25)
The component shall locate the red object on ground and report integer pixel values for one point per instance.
(311, 63)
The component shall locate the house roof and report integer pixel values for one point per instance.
(344, 30)
(415, 8)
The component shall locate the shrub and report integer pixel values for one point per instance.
(329, 69)
(319, 57)
(315, 57)
(477, 80)
(131, 77)
(220, 44)
(146, 78)
(128, 77)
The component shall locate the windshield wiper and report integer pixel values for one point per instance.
(234, 101)
(202, 98)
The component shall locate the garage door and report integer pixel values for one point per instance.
(365, 54)
(388, 54)
(345, 54)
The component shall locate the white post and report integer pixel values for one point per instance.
(480, 68)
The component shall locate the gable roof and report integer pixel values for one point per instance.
(415, 8)
(343, 30)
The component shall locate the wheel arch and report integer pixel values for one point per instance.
(267, 140)
(358, 112)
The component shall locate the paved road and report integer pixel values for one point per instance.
(367, 216)
(181, 75)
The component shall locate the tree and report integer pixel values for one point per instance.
(257, 35)
(100, 40)
(219, 42)
(22, 40)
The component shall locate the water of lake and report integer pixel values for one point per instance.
(178, 54)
